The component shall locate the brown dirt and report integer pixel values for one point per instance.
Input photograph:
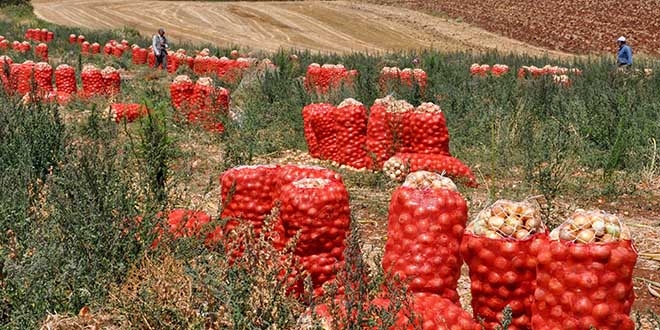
(338, 26)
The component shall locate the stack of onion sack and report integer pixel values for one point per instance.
(185, 223)
(496, 248)
(584, 274)
(130, 112)
(392, 78)
(427, 218)
(181, 91)
(41, 52)
(247, 196)
(43, 77)
(111, 81)
(396, 126)
(399, 165)
(328, 78)
(318, 210)
(22, 77)
(65, 79)
(92, 81)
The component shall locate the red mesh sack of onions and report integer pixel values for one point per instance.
(427, 133)
(95, 48)
(384, 127)
(127, 111)
(291, 173)
(392, 79)
(73, 38)
(430, 311)
(499, 69)
(320, 130)
(584, 274)
(185, 223)
(41, 51)
(496, 248)
(151, 57)
(43, 77)
(81, 39)
(65, 79)
(22, 76)
(247, 194)
(92, 81)
(399, 165)
(318, 211)
(181, 91)
(111, 81)
(139, 55)
(350, 118)
(4, 44)
(427, 217)
(84, 48)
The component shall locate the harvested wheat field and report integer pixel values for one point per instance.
(340, 26)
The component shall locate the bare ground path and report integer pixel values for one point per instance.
(338, 26)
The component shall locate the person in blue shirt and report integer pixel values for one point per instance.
(624, 57)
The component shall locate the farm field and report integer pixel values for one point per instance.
(125, 191)
(580, 27)
(268, 26)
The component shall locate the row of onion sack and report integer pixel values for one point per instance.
(392, 79)
(36, 80)
(327, 78)
(40, 50)
(39, 35)
(397, 137)
(579, 276)
(200, 102)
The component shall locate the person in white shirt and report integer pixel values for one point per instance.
(159, 45)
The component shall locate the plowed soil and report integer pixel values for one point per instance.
(338, 26)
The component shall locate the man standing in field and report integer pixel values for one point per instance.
(159, 44)
(624, 57)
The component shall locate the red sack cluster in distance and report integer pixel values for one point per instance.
(391, 78)
(4, 43)
(483, 69)
(427, 217)
(584, 274)
(497, 249)
(337, 133)
(39, 35)
(41, 52)
(65, 79)
(114, 48)
(84, 48)
(396, 126)
(81, 39)
(328, 78)
(95, 48)
(22, 47)
(227, 70)
(73, 39)
(401, 164)
(127, 111)
(46, 97)
(430, 311)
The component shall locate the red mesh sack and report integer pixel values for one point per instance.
(309, 114)
(181, 90)
(393, 79)
(127, 111)
(399, 165)
(350, 119)
(43, 77)
(73, 38)
(208, 105)
(247, 194)
(138, 55)
(379, 135)
(41, 52)
(84, 48)
(118, 51)
(111, 80)
(172, 63)
(23, 77)
(65, 79)
(95, 48)
(290, 173)
(584, 274)
(107, 49)
(81, 39)
(318, 210)
(185, 223)
(427, 217)
(496, 248)
(428, 131)
(151, 57)
(50, 36)
(4, 44)
(92, 81)
(190, 61)
(43, 35)
(201, 64)
(324, 129)
(430, 312)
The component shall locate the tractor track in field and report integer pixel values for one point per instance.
(338, 26)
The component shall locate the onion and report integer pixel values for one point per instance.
(495, 222)
(567, 234)
(586, 236)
